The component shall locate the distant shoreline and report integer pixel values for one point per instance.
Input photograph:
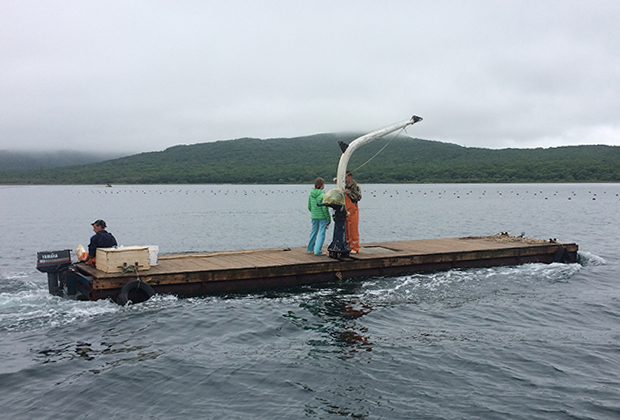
(403, 160)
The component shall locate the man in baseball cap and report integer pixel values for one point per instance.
(101, 239)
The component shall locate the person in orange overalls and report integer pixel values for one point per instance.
(352, 196)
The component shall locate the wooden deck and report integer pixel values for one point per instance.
(244, 271)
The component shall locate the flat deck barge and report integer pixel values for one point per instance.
(245, 271)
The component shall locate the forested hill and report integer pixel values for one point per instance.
(302, 159)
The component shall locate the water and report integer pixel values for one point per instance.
(529, 342)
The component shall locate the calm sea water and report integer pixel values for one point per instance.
(529, 342)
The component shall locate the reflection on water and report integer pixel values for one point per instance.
(111, 349)
(349, 335)
(335, 317)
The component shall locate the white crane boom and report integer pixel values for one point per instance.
(366, 138)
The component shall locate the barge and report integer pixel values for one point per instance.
(198, 274)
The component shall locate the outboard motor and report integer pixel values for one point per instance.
(55, 264)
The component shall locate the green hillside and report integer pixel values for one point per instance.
(302, 159)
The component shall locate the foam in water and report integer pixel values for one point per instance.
(34, 309)
(462, 284)
(588, 259)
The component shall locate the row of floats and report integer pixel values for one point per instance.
(372, 193)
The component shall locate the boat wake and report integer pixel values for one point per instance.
(456, 287)
(588, 259)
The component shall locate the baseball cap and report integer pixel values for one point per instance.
(99, 222)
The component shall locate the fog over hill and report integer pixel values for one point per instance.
(18, 160)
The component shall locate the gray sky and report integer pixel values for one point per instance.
(149, 74)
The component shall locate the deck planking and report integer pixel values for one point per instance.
(247, 270)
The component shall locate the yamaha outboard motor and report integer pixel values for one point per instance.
(55, 264)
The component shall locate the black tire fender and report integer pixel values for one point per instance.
(135, 291)
(562, 256)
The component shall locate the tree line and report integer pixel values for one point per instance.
(300, 160)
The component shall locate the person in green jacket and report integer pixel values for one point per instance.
(320, 218)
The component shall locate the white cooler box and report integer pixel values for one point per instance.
(111, 260)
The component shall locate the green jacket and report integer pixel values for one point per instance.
(318, 212)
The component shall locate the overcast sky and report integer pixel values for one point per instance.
(145, 75)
